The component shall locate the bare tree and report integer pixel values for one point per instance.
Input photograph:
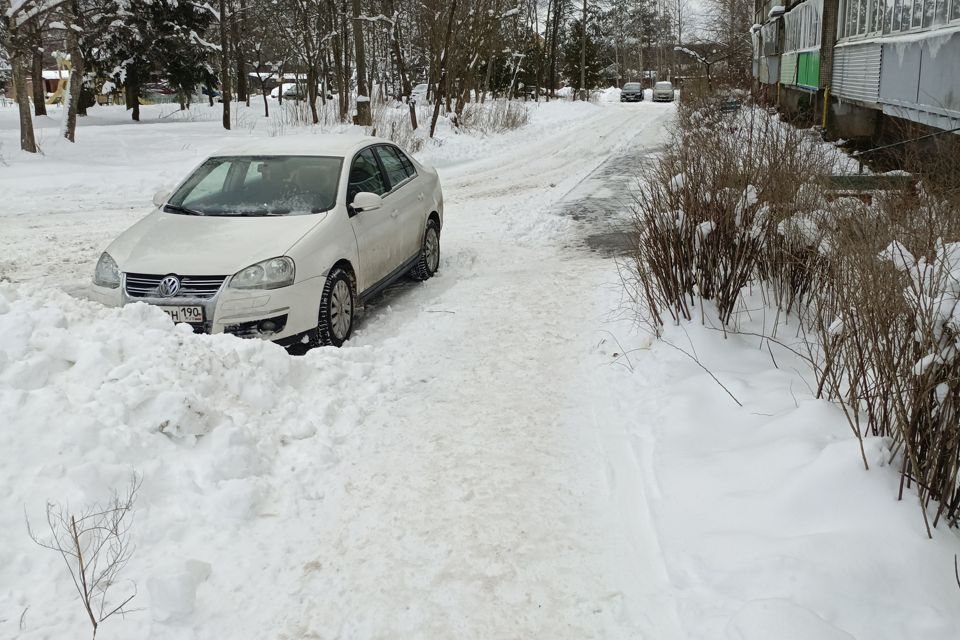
(95, 546)
(442, 81)
(16, 21)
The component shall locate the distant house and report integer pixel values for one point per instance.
(51, 79)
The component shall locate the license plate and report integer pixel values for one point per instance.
(191, 314)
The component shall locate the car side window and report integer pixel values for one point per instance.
(365, 175)
(405, 161)
(396, 172)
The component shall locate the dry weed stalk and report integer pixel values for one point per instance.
(95, 546)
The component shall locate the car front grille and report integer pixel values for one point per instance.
(141, 285)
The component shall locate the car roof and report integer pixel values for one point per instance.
(339, 145)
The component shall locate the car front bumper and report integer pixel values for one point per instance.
(293, 310)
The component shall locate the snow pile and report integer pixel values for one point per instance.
(90, 396)
(767, 522)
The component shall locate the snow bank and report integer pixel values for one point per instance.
(90, 395)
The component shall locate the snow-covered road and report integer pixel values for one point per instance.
(497, 453)
(493, 475)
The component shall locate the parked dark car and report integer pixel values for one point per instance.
(631, 92)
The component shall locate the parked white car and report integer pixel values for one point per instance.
(281, 238)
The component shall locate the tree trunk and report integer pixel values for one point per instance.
(263, 91)
(364, 117)
(341, 56)
(405, 88)
(312, 93)
(583, 52)
(442, 82)
(132, 95)
(557, 20)
(75, 83)
(27, 140)
(36, 77)
(224, 64)
(235, 31)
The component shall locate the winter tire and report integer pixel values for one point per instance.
(429, 260)
(337, 307)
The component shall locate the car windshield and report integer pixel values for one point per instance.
(259, 186)
(631, 86)
(664, 85)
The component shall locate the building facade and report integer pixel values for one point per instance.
(854, 65)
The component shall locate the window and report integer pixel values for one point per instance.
(955, 11)
(891, 15)
(940, 14)
(905, 15)
(365, 176)
(407, 164)
(396, 172)
(207, 181)
(260, 186)
(769, 34)
(802, 26)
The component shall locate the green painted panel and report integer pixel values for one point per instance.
(808, 69)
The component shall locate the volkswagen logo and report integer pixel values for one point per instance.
(169, 286)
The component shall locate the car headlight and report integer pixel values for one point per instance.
(269, 274)
(106, 274)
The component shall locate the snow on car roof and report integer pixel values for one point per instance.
(328, 144)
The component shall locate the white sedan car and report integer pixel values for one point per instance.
(280, 238)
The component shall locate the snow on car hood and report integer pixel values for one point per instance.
(206, 245)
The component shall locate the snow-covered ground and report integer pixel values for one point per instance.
(497, 453)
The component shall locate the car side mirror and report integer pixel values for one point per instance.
(366, 201)
(160, 198)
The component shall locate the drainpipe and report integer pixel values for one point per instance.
(826, 107)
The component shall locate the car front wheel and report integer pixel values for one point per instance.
(429, 260)
(337, 307)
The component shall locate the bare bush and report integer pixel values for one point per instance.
(874, 284)
(95, 546)
(493, 116)
(888, 330)
(710, 203)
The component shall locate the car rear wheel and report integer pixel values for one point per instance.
(337, 307)
(429, 261)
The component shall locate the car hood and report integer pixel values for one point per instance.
(206, 245)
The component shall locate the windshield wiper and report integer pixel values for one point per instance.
(173, 208)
